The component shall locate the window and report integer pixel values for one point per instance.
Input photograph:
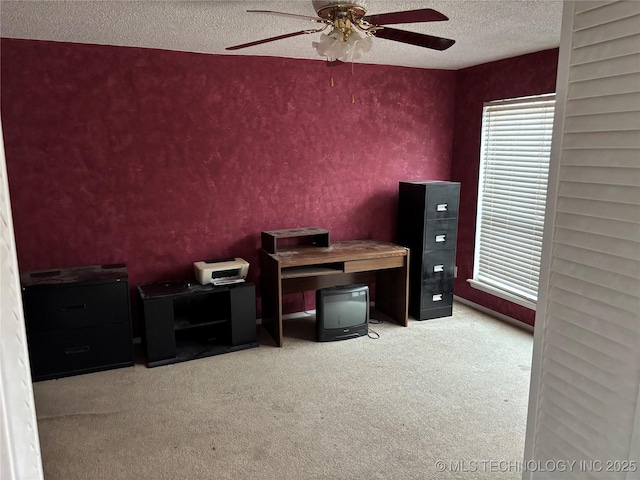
(512, 192)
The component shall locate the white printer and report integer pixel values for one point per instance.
(221, 272)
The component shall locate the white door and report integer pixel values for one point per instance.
(584, 411)
(19, 445)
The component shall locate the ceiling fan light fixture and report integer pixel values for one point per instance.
(344, 42)
(358, 45)
(334, 46)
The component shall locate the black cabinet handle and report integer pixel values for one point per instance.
(74, 350)
(73, 308)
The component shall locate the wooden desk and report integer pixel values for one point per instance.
(309, 268)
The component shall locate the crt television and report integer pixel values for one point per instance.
(342, 312)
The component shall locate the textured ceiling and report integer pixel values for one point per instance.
(484, 30)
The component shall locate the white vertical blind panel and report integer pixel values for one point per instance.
(589, 386)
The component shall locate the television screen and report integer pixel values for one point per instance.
(342, 312)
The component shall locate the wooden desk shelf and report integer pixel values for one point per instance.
(294, 238)
(312, 270)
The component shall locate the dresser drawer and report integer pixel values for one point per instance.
(58, 354)
(441, 234)
(442, 201)
(75, 306)
(438, 264)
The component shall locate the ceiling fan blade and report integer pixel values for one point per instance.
(266, 40)
(409, 16)
(293, 15)
(412, 38)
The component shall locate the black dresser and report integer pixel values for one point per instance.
(77, 320)
(428, 226)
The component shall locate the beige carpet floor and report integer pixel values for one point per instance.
(452, 390)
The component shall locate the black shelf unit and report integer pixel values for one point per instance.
(428, 226)
(77, 320)
(184, 321)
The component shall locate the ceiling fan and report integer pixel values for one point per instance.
(349, 20)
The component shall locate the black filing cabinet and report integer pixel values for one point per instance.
(428, 226)
(77, 320)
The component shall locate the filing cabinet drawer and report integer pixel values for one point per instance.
(437, 312)
(77, 306)
(442, 201)
(441, 234)
(437, 264)
(437, 293)
(83, 350)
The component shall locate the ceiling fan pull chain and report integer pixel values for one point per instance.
(353, 96)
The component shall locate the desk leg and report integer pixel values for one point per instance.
(392, 292)
(271, 290)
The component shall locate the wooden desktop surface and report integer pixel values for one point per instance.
(299, 269)
(339, 251)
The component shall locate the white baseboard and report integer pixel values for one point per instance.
(488, 311)
(493, 313)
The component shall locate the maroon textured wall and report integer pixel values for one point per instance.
(530, 74)
(159, 158)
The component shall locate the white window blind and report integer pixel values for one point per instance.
(585, 384)
(512, 191)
